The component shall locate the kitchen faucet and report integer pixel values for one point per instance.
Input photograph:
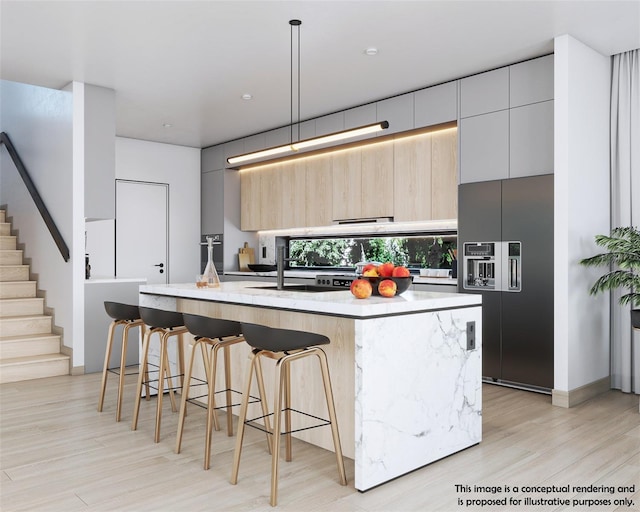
(280, 259)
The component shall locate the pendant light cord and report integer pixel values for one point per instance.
(297, 24)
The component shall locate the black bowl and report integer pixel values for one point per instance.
(402, 283)
(259, 267)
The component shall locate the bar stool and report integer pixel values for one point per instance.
(285, 346)
(166, 324)
(128, 316)
(215, 334)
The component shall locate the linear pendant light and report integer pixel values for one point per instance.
(292, 147)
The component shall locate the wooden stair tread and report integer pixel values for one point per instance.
(12, 361)
(27, 337)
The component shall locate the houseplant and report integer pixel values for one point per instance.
(622, 256)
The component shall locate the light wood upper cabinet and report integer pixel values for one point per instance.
(377, 181)
(444, 175)
(408, 179)
(363, 182)
(346, 168)
(426, 185)
(318, 193)
(412, 180)
(292, 204)
(250, 200)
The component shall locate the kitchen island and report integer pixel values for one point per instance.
(406, 378)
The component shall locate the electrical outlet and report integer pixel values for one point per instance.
(471, 335)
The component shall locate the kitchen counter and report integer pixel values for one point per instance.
(407, 386)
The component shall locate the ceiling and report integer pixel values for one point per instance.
(187, 63)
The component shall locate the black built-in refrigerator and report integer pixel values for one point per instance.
(517, 215)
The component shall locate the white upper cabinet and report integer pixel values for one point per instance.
(398, 111)
(531, 81)
(484, 93)
(531, 140)
(484, 147)
(360, 116)
(435, 105)
(274, 138)
(330, 124)
(212, 201)
(212, 158)
(233, 148)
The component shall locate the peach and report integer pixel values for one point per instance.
(386, 269)
(387, 288)
(372, 272)
(361, 288)
(401, 272)
(369, 266)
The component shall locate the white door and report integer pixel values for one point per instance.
(142, 227)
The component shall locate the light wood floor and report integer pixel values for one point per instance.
(58, 454)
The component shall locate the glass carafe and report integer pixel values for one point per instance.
(210, 275)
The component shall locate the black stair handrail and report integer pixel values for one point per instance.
(35, 195)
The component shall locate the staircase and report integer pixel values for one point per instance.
(28, 348)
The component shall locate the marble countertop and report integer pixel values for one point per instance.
(116, 280)
(305, 274)
(338, 303)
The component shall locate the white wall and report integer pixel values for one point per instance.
(39, 123)
(178, 166)
(582, 210)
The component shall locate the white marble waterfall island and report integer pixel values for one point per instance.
(407, 388)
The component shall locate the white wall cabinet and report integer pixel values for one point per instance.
(531, 140)
(506, 122)
(398, 111)
(531, 81)
(212, 201)
(436, 105)
(484, 93)
(484, 147)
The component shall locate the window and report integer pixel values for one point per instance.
(422, 250)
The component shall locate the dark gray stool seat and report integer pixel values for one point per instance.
(285, 346)
(128, 316)
(215, 334)
(166, 324)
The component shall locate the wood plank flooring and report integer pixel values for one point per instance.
(58, 454)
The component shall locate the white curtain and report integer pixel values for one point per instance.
(625, 204)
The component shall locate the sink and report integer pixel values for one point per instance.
(301, 288)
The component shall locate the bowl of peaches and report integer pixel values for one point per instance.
(385, 280)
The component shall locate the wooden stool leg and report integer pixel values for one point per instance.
(211, 380)
(185, 397)
(332, 414)
(169, 375)
(242, 419)
(105, 368)
(227, 385)
(212, 418)
(263, 401)
(123, 365)
(277, 410)
(143, 374)
(145, 368)
(287, 409)
(161, 375)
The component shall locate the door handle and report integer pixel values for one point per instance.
(159, 265)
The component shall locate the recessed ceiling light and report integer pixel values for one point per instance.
(247, 96)
(166, 125)
(371, 51)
